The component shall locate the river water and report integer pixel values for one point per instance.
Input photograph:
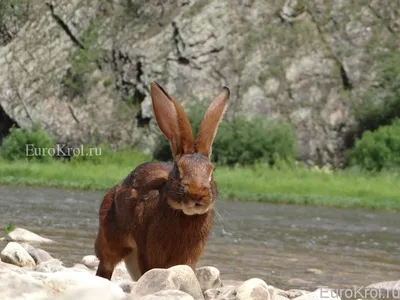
(288, 246)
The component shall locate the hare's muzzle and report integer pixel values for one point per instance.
(195, 207)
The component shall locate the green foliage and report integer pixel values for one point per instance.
(242, 141)
(84, 62)
(95, 174)
(107, 82)
(14, 145)
(8, 228)
(379, 149)
(103, 154)
(381, 103)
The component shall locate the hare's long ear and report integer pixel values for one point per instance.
(172, 121)
(209, 125)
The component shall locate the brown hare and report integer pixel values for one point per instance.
(160, 215)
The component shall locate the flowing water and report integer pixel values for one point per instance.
(286, 245)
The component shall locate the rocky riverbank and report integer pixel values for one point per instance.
(28, 272)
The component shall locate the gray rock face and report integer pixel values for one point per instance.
(302, 61)
(15, 254)
(23, 235)
(13, 17)
(180, 278)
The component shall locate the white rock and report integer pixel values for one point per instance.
(39, 275)
(255, 289)
(209, 278)
(5, 267)
(15, 254)
(227, 292)
(293, 293)
(50, 266)
(23, 235)
(21, 286)
(231, 282)
(320, 294)
(38, 255)
(79, 268)
(120, 273)
(98, 288)
(126, 285)
(179, 277)
(42, 255)
(168, 295)
(62, 281)
(90, 261)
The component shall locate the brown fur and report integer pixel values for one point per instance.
(147, 219)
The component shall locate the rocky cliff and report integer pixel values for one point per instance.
(82, 68)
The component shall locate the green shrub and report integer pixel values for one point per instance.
(242, 141)
(381, 103)
(378, 150)
(14, 145)
(247, 141)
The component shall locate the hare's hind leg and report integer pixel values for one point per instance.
(132, 264)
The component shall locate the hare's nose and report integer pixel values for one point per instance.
(197, 197)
